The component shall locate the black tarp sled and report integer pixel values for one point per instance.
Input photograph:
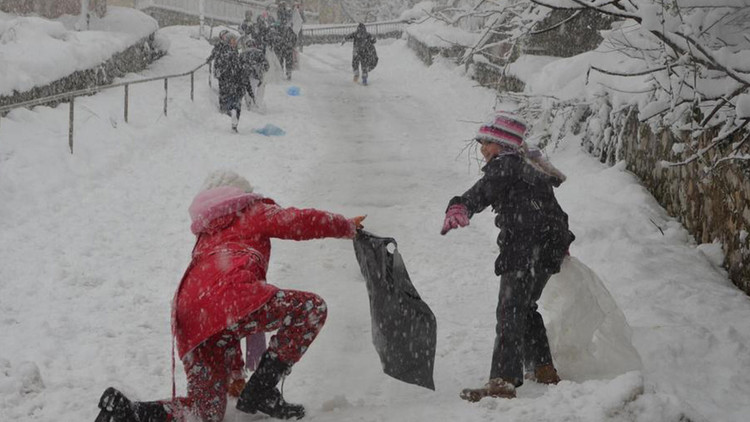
(404, 329)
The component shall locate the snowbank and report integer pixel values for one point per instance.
(527, 66)
(35, 51)
(435, 33)
(419, 11)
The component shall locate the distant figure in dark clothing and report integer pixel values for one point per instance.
(283, 40)
(260, 31)
(284, 14)
(221, 45)
(247, 24)
(254, 66)
(364, 54)
(232, 83)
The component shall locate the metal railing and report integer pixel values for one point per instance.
(222, 10)
(313, 34)
(71, 96)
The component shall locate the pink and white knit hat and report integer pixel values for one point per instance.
(503, 128)
(224, 192)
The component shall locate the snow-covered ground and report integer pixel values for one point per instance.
(94, 244)
(36, 51)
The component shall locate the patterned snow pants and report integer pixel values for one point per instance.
(297, 317)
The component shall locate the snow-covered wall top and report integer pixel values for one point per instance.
(435, 33)
(35, 51)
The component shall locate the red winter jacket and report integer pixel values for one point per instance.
(226, 279)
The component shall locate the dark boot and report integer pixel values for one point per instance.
(117, 408)
(261, 395)
(546, 374)
(151, 411)
(496, 387)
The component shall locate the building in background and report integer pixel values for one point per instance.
(52, 9)
(326, 11)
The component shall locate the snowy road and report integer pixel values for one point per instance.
(94, 244)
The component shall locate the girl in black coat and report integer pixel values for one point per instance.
(233, 82)
(255, 66)
(364, 54)
(533, 240)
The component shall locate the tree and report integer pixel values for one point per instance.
(374, 10)
(696, 56)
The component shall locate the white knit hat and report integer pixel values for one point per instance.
(219, 178)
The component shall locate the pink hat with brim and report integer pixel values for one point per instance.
(218, 202)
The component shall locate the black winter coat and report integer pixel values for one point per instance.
(232, 75)
(533, 228)
(364, 48)
(283, 39)
(260, 32)
(254, 63)
(218, 55)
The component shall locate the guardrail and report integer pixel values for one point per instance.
(218, 10)
(324, 34)
(71, 96)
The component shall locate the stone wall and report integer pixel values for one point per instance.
(486, 74)
(578, 35)
(712, 206)
(134, 59)
(491, 76)
(427, 53)
(172, 17)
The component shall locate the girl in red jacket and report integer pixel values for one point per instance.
(224, 297)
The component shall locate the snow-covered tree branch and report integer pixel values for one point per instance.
(695, 54)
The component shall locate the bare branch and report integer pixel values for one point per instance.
(629, 74)
(557, 25)
(541, 3)
(713, 144)
(722, 103)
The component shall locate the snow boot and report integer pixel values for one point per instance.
(496, 387)
(546, 374)
(364, 79)
(261, 395)
(356, 78)
(117, 408)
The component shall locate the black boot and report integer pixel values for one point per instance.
(261, 395)
(151, 411)
(117, 408)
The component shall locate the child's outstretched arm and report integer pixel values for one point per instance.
(309, 223)
(477, 198)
